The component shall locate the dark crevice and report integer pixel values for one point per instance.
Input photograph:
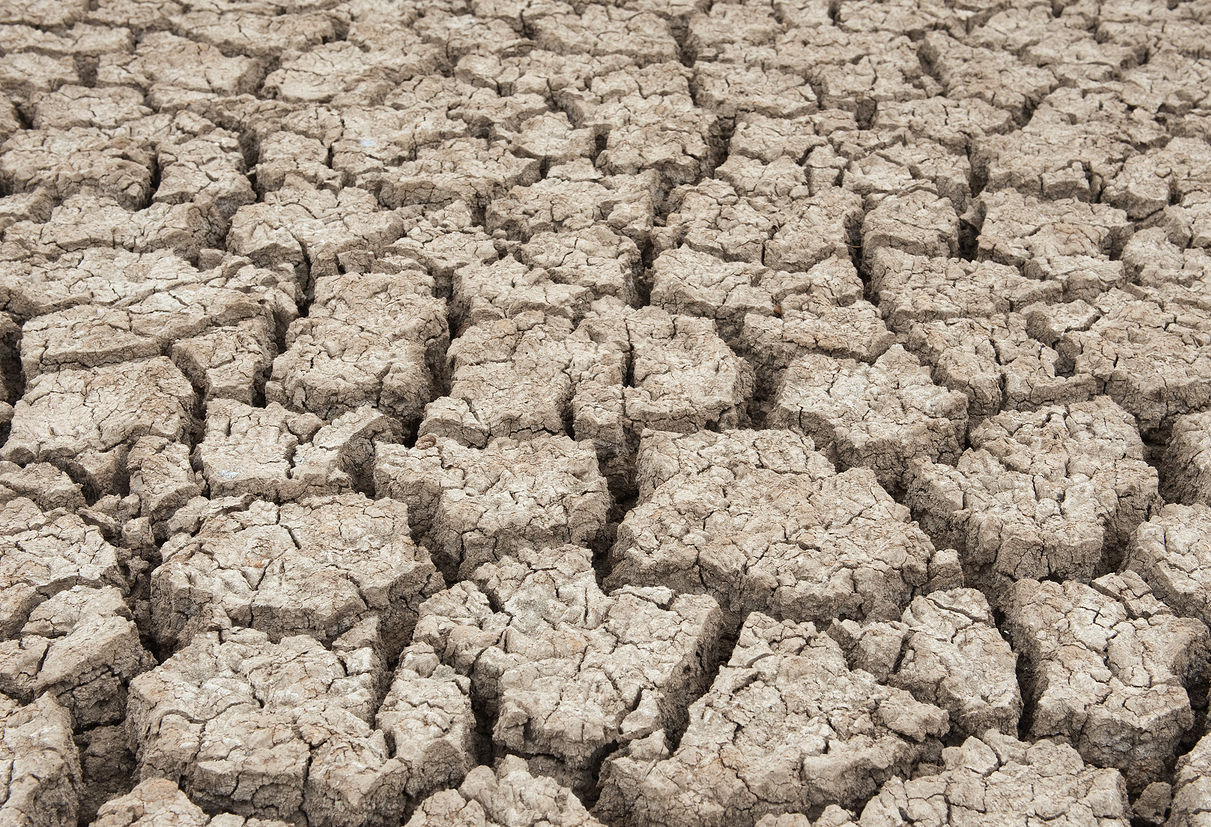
(581, 780)
(154, 183)
(250, 151)
(621, 505)
(865, 116)
(485, 723)
(711, 662)
(1197, 691)
(977, 179)
(86, 69)
(592, 780)
(1093, 183)
(721, 144)
(258, 385)
(1138, 821)
(970, 224)
(303, 274)
(81, 478)
(643, 274)
(10, 366)
(857, 255)
(1028, 109)
(599, 145)
(479, 212)
(446, 567)
(340, 26)
(140, 570)
(759, 405)
(108, 768)
(437, 360)
(411, 432)
(680, 31)
(1156, 443)
(1114, 553)
(25, 120)
(969, 239)
(1025, 687)
(524, 28)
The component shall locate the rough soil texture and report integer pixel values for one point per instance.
(536, 413)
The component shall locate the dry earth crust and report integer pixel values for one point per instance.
(552, 413)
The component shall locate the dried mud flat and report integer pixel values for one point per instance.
(786, 413)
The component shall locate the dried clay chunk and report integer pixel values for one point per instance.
(255, 34)
(559, 275)
(1039, 493)
(91, 220)
(676, 374)
(784, 535)
(561, 667)
(807, 325)
(85, 421)
(158, 802)
(694, 283)
(1054, 159)
(39, 764)
(945, 650)
(995, 77)
(1018, 228)
(277, 730)
(1108, 666)
(994, 777)
(651, 122)
(508, 796)
(472, 506)
(100, 276)
(80, 159)
(517, 378)
(1148, 354)
(317, 567)
(1172, 552)
(186, 322)
(81, 647)
(1192, 790)
(158, 65)
(41, 482)
(876, 416)
(996, 363)
(574, 199)
(45, 554)
(305, 226)
(786, 726)
(277, 454)
(915, 289)
(369, 339)
(70, 106)
(337, 69)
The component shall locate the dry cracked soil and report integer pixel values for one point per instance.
(653, 413)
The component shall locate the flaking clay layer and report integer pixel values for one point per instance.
(562, 413)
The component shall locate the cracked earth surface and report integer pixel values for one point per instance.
(687, 413)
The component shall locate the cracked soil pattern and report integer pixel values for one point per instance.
(552, 413)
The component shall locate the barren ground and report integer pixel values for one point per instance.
(456, 413)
